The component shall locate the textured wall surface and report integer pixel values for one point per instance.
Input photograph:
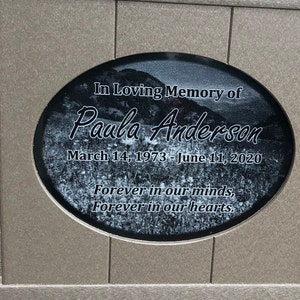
(45, 44)
(290, 4)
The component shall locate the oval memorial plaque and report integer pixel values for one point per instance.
(163, 146)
